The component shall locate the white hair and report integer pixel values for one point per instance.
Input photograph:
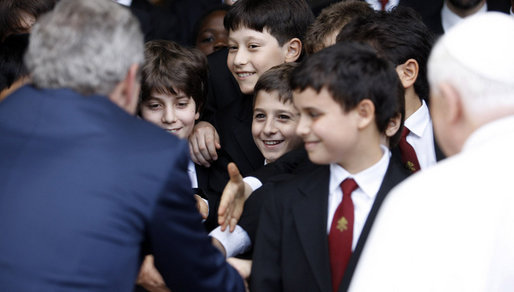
(477, 59)
(85, 45)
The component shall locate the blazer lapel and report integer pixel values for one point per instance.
(310, 217)
(395, 174)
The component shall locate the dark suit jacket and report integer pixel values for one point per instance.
(83, 187)
(291, 250)
(230, 112)
(430, 11)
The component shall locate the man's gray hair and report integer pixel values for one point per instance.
(476, 57)
(84, 45)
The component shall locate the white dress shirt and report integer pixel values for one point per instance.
(421, 136)
(450, 227)
(368, 181)
(449, 18)
(375, 4)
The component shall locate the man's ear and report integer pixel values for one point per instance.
(408, 72)
(293, 50)
(452, 103)
(126, 92)
(366, 112)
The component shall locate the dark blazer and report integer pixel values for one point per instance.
(430, 11)
(230, 112)
(291, 250)
(83, 187)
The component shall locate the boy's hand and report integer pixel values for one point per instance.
(202, 206)
(244, 267)
(149, 278)
(203, 143)
(233, 199)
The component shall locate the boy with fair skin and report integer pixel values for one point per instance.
(401, 37)
(346, 96)
(262, 34)
(172, 94)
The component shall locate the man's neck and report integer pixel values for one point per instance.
(465, 12)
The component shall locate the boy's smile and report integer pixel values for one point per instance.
(274, 125)
(330, 135)
(252, 53)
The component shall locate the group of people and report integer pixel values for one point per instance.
(356, 150)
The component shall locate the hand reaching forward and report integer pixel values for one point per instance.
(233, 198)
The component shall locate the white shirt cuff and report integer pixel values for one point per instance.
(235, 243)
(253, 182)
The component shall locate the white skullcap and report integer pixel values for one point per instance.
(484, 44)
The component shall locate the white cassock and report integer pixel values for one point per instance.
(449, 227)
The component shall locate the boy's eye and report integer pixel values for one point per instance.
(260, 116)
(209, 39)
(153, 106)
(284, 117)
(232, 48)
(253, 46)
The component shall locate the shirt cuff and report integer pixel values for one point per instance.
(235, 243)
(253, 182)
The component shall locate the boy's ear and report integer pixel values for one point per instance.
(393, 126)
(293, 50)
(366, 111)
(408, 72)
(197, 115)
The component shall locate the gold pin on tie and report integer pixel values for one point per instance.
(342, 224)
(410, 166)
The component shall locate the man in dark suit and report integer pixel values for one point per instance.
(440, 15)
(86, 188)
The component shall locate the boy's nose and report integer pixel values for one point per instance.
(168, 116)
(241, 57)
(269, 127)
(303, 128)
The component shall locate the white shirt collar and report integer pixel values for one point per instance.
(191, 171)
(366, 179)
(419, 120)
(449, 19)
(375, 4)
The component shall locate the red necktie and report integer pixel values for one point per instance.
(340, 237)
(409, 158)
(383, 3)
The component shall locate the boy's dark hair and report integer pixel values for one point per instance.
(170, 67)
(352, 72)
(276, 79)
(11, 14)
(331, 19)
(284, 19)
(398, 35)
(12, 67)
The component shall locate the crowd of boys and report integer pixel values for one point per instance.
(311, 149)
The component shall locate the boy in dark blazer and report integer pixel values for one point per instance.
(262, 34)
(347, 96)
(402, 38)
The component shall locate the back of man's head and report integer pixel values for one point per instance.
(87, 46)
(284, 19)
(476, 57)
(398, 35)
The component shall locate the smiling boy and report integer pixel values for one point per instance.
(313, 227)
(262, 34)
